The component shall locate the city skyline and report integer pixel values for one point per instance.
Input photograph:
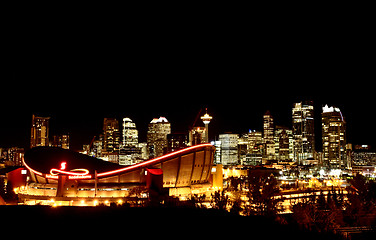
(236, 79)
(83, 134)
(97, 112)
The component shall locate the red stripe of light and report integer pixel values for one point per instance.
(85, 171)
(30, 169)
(138, 165)
(152, 161)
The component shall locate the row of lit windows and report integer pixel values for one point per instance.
(103, 189)
(182, 182)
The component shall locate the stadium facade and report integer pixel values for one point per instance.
(69, 178)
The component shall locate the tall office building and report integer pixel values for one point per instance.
(269, 151)
(217, 153)
(255, 148)
(176, 141)
(283, 143)
(158, 130)
(229, 148)
(130, 133)
(333, 137)
(111, 136)
(303, 131)
(39, 131)
(130, 152)
(61, 141)
(197, 135)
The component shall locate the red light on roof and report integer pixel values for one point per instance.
(63, 165)
(85, 174)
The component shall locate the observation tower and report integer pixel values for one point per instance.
(206, 120)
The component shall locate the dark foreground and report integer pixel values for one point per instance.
(169, 222)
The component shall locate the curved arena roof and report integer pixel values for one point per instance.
(183, 167)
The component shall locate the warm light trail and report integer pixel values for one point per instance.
(152, 161)
(30, 169)
(75, 172)
(84, 173)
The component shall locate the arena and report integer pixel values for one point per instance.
(64, 177)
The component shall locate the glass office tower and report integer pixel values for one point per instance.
(333, 138)
(158, 130)
(303, 131)
(39, 131)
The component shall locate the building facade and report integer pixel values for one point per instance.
(130, 133)
(158, 130)
(197, 135)
(39, 131)
(176, 141)
(333, 138)
(283, 139)
(111, 135)
(269, 148)
(130, 152)
(255, 148)
(111, 140)
(229, 148)
(303, 131)
(60, 141)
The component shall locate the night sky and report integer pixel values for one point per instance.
(79, 75)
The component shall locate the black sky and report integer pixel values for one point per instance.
(80, 73)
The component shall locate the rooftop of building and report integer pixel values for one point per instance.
(43, 159)
(159, 120)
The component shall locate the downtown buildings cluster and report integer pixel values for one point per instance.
(282, 147)
(275, 146)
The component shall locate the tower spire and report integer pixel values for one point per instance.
(206, 120)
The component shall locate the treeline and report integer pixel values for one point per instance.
(323, 213)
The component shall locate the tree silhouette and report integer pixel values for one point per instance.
(219, 200)
(262, 195)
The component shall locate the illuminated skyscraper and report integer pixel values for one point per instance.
(129, 152)
(333, 137)
(158, 130)
(229, 148)
(111, 136)
(269, 151)
(255, 148)
(197, 135)
(303, 131)
(39, 131)
(130, 133)
(176, 141)
(283, 143)
(61, 141)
